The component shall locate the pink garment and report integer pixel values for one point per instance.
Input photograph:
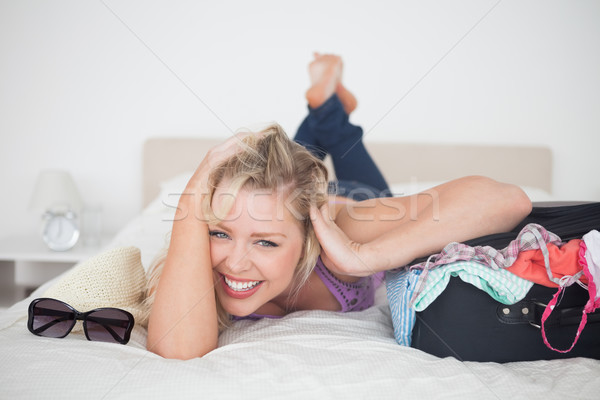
(564, 260)
(590, 306)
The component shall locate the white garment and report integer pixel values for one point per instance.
(592, 256)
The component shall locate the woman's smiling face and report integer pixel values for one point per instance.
(254, 249)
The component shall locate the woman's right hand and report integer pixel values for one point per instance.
(339, 253)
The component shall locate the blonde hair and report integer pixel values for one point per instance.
(269, 162)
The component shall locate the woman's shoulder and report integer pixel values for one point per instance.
(355, 294)
(324, 269)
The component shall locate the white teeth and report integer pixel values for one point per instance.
(240, 286)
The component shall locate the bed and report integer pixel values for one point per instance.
(309, 354)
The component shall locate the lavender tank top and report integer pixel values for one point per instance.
(355, 296)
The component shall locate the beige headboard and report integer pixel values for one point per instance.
(399, 162)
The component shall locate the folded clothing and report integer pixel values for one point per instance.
(400, 285)
(501, 285)
(563, 261)
(403, 284)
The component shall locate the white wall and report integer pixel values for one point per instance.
(84, 83)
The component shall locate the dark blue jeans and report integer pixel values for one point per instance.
(327, 130)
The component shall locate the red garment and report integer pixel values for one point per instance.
(564, 260)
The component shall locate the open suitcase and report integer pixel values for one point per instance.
(466, 323)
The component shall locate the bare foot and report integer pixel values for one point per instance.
(325, 73)
(346, 97)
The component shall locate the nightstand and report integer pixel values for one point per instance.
(26, 263)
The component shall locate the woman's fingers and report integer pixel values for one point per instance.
(340, 254)
(231, 146)
(216, 156)
(321, 222)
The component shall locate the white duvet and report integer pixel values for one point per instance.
(314, 354)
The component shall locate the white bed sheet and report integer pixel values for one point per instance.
(313, 354)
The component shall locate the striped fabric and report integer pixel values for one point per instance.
(400, 287)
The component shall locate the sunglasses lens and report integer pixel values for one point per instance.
(52, 318)
(109, 325)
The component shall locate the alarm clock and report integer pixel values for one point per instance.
(61, 230)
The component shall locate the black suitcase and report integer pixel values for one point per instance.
(466, 323)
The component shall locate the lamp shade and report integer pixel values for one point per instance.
(55, 190)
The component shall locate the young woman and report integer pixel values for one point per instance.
(257, 235)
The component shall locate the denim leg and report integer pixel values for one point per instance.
(327, 129)
(306, 137)
(358, 191)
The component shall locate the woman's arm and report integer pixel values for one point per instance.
(183, 321)
(380, 234)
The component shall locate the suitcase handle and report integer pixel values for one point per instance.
(566, 316)
(531, 311)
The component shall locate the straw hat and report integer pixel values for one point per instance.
(114, 278)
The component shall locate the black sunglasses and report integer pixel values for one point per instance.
(54, 318)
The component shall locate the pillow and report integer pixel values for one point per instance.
(537, 194)
(114, 278)
(176, 184)
(400, 189)
(170, 190)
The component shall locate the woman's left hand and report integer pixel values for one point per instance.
(340, 254)
(214, 157)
